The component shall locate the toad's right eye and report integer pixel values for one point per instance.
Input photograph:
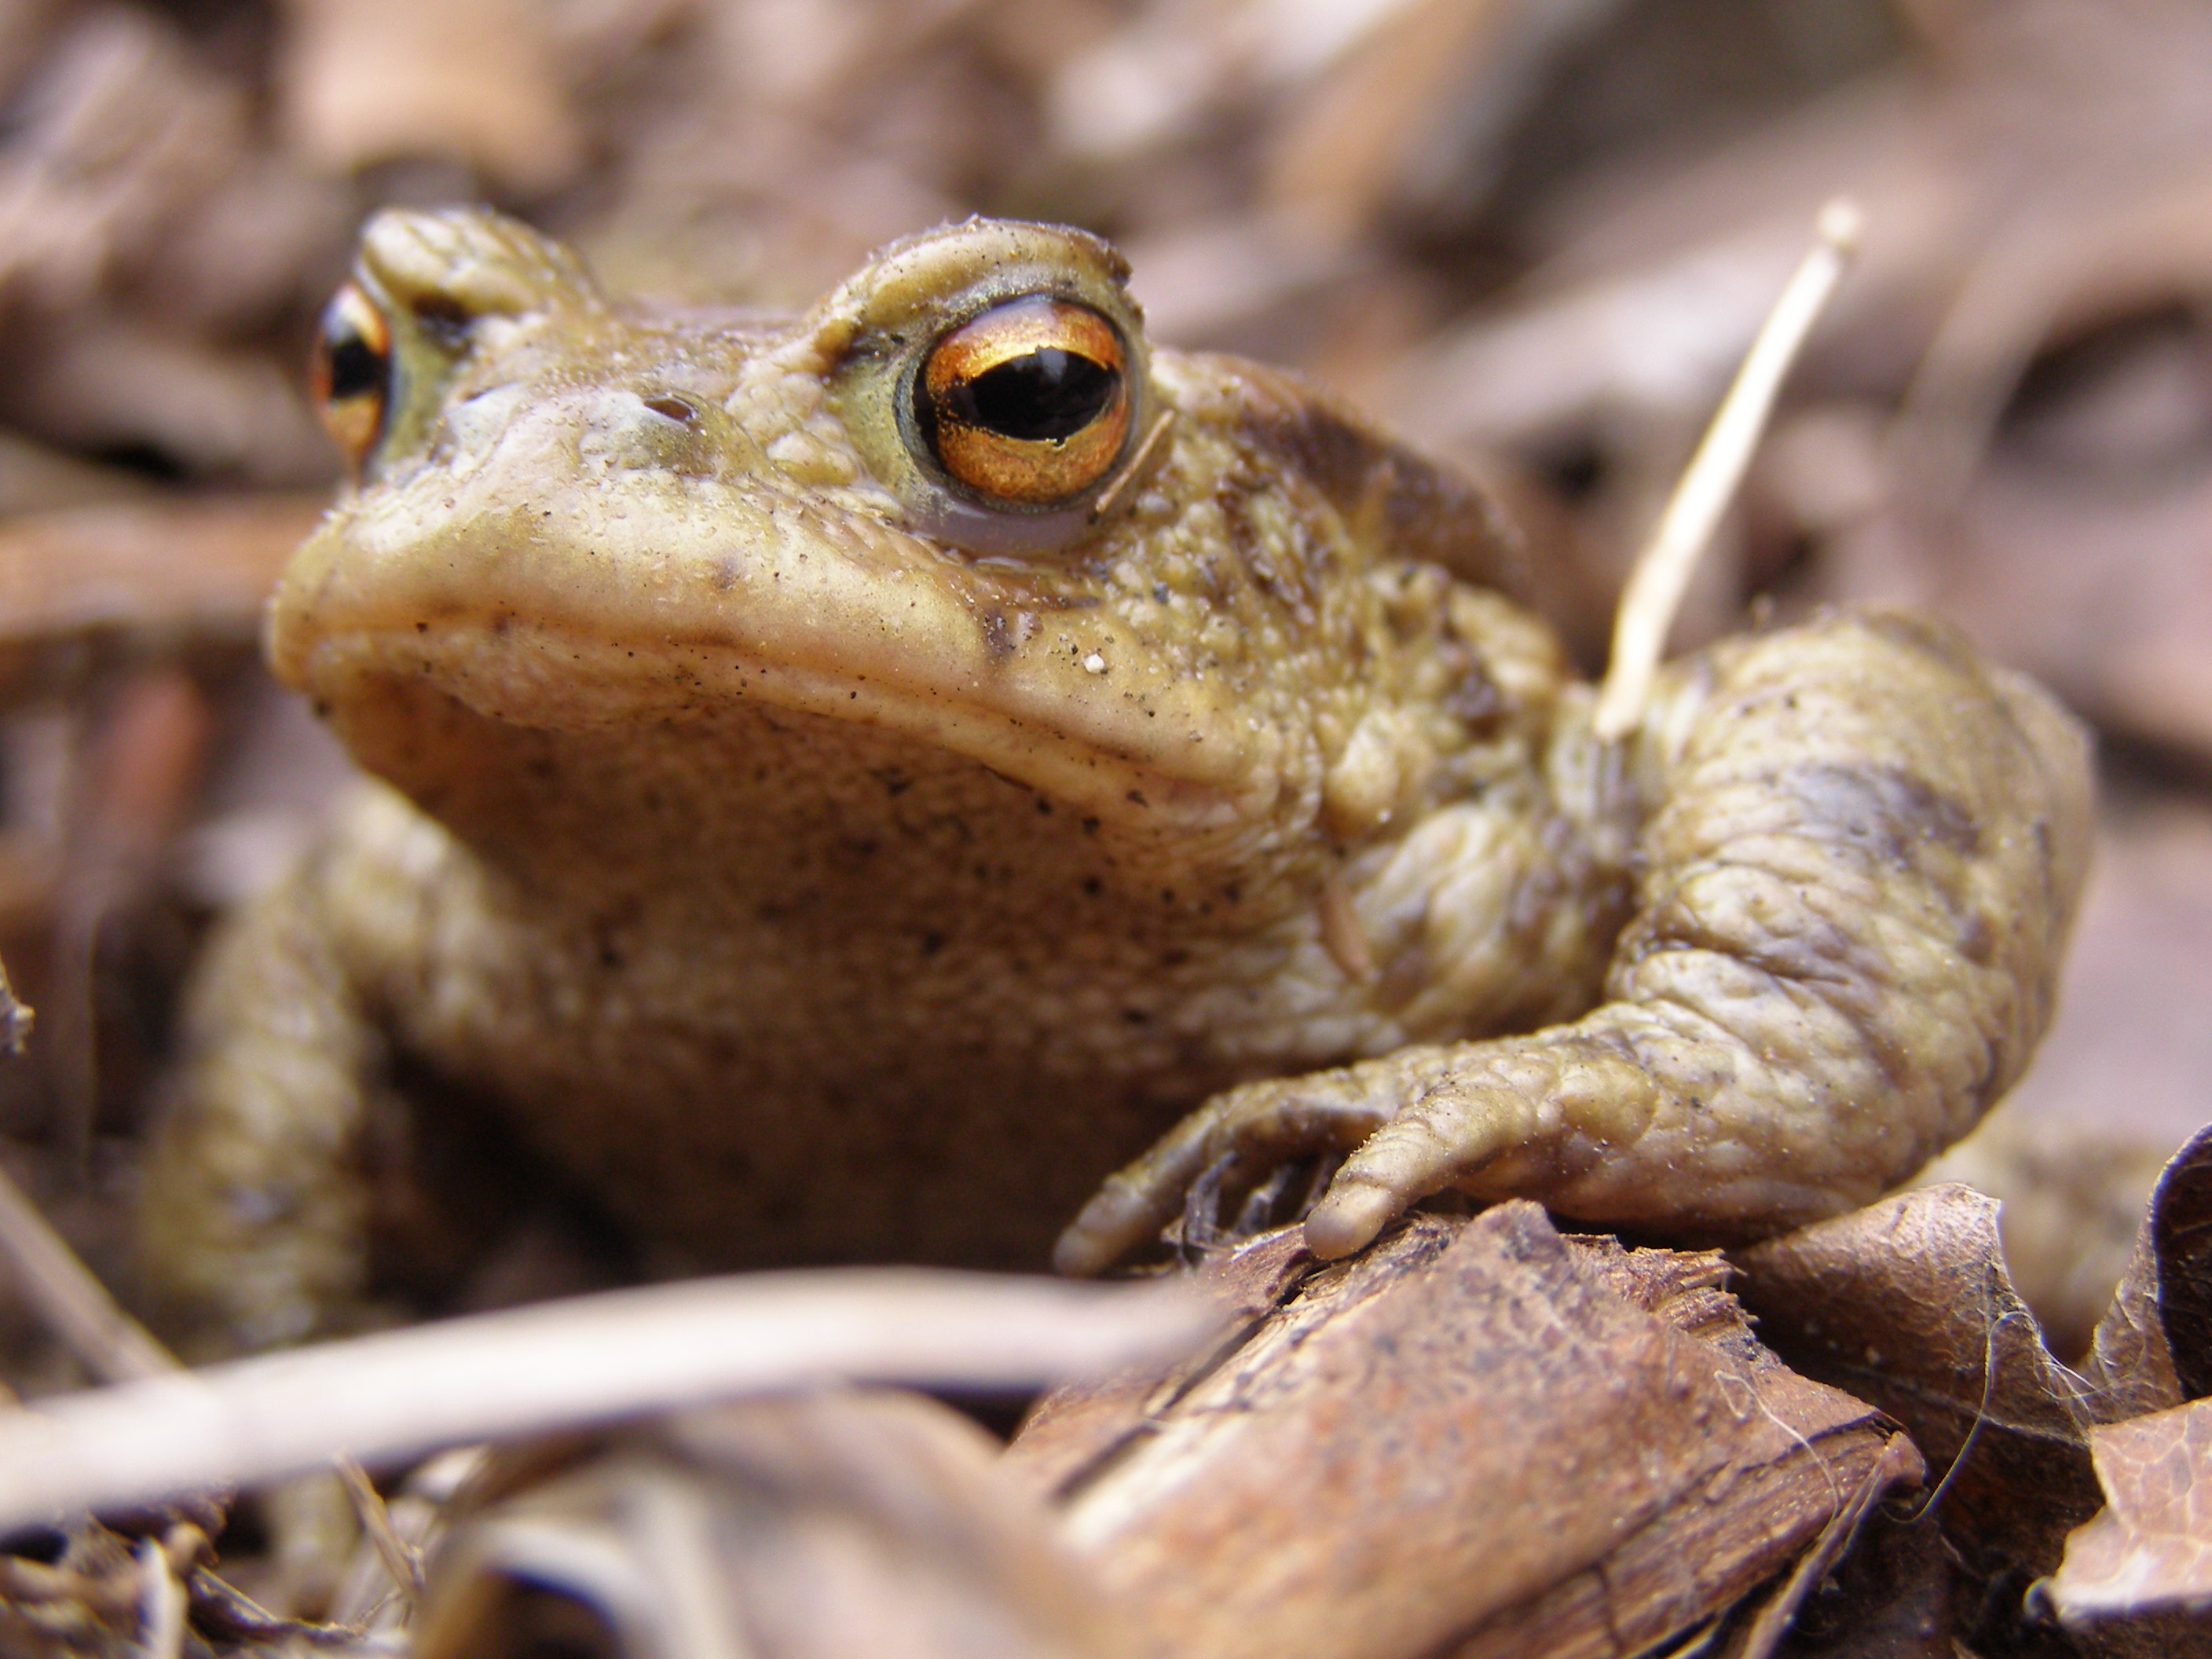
(351, 375)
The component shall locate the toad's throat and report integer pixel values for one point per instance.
(759, 810)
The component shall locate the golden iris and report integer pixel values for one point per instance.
(350, 375)
(1027, 403)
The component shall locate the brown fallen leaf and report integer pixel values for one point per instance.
(1907, 1304)
(145, 758)
(1479, 1438)
(2147, 1558)
(2130, 1050)
(123, 126)
(2074, 1191)
(15, 1018)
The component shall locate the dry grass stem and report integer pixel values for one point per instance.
(1663, 568)
(561, 1365)
(401, 1559)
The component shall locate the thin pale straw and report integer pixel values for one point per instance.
(1708, 483)
(564, 1366)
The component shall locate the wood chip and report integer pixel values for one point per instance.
(1478, 1438)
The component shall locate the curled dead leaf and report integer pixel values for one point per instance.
(1907, 1304)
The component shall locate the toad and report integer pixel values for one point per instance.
(848, 784)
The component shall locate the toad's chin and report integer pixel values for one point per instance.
(670, 614)
(530, 676)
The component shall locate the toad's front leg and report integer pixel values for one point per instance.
(1864, 849)
(262, 1193)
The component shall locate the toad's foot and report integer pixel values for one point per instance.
(1471, 1108)
(1865, 849)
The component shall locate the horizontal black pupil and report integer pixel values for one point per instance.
(356, 368)
(1041, 395)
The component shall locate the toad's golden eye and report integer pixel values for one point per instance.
(1028, 404)
(351, 374)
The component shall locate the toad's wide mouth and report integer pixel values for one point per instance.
(700, 597)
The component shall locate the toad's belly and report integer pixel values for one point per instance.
(979, 1171)
(750, 1104)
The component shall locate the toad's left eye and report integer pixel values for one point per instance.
(1028, 404)
(352, 372)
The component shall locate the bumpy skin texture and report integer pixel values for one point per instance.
(820, 863)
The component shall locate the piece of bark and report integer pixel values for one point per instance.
(1907, 1304)
(1074, 1429)
(811, 1528)
(1476, 1438)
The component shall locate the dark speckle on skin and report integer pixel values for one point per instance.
(1883, 809)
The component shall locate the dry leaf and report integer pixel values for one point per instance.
(1907, 1304)
(126, 579)
(15, 1018)
(2150, 1552)
(2074, 1192)
(813, 1527)
(368, 81)
(2153, 1350)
